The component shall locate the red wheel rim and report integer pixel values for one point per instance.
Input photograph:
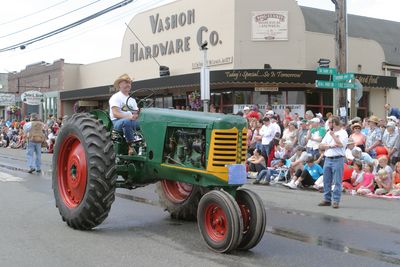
(216, 222)
(176, 192)
(72, 171)
(246, 216)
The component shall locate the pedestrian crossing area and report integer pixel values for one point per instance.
(5, 177)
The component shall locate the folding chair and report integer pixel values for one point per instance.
(281, 177)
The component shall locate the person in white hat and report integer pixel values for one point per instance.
(389, 142)
(395, 121)
(246, 111)
(124, 114)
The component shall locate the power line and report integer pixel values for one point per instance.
(106, 22)
(41, 23)
(34, 13)
(22, 45)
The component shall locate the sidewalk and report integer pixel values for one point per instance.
(379, 211)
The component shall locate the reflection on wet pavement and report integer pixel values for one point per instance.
(385, 256)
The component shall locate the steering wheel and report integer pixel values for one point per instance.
(147, 101)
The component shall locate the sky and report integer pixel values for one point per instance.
(101, 38)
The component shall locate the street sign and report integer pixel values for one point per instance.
(339, 85)
(324, 84)
(326, 71)
(347, 85)
(343, 77)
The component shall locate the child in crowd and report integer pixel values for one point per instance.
(367, 183)
(307, 177)
(356, 177)
(264, 177)
(396, 180)
(383, 164)
(383, 182)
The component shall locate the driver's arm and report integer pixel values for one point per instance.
(119, 115)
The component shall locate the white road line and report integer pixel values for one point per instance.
(5, 177)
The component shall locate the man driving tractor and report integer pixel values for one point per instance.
(123, 113)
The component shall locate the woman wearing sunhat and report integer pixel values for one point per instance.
(357, 136)
(374, 138)
(122, 114)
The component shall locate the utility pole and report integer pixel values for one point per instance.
(340, 95)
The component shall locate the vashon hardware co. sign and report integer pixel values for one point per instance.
(183, 44)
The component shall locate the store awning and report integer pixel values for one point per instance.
(220, 79)
(259, 77)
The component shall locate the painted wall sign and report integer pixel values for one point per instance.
(33, 98)
(182, 44)
(269, 25)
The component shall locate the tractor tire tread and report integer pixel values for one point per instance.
(101, 178)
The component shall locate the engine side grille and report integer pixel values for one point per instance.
(244, 146)
(226, 147)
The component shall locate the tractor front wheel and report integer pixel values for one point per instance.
(84, 173)
(180, 199)
(219, 221)
(254, 218)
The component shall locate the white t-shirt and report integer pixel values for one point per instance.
(336, 151)
(267, 133)
(119, 100)
(349, 154)
(276, 128)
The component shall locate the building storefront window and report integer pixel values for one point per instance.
(319, 101)
(363, 104)
(296, 97)
(163, 102)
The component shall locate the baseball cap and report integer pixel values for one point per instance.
(315, 120)
(246, 108)
(392, 118)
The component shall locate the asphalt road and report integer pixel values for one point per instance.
(139, 233)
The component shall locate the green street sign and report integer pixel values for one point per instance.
(324, 84)
(339, 85)
(326, 71)
(347, 85)
(343, 77)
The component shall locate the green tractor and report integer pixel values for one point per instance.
(197, 160)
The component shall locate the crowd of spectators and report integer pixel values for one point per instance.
(288, 151)
(12, 133)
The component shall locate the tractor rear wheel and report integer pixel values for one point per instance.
(84, 173)
(219, 221)
(253, 216)
(180, 199)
